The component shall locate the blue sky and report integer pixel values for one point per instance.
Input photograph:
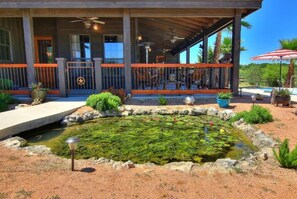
(277, 19)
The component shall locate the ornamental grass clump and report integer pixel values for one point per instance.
(104, 101)
(257, 115)
(225, 95)
(286, 158)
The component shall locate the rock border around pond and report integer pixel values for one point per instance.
(263, 142)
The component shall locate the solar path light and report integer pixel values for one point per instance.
(72, 143)
(253, 99)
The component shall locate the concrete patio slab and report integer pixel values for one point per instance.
(23, 119)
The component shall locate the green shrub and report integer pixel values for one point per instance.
(163, 100)
(225, 95)
(5, 84)
(257, 115)
(283, 92)
(104, 101)
(3, 106)
(6, 98)
(286, 158)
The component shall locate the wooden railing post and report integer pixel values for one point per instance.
(98, 74)
(62, 76)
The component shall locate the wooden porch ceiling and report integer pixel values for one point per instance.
(160, 30)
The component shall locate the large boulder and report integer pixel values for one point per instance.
(212, 111)
(199, 111)
(14, 142)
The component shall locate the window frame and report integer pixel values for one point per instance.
(9, 46)
(118, 35)
(76, 59)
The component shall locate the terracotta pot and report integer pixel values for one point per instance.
(40, 94)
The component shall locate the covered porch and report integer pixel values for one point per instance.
(137, 49)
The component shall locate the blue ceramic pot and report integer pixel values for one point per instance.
(223, 103)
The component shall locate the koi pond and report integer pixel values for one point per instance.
(157, 139)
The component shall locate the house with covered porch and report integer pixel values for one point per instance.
(80, 47)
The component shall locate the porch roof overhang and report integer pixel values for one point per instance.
(212, 4)
(190, 19)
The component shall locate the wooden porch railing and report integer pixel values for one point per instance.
(113, 75)
(180, 78)
(13, 78)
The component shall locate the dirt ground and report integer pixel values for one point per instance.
(30, 176)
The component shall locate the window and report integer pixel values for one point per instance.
(80, 48)
(113, 49)
(5, 54)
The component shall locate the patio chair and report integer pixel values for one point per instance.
(145, 78)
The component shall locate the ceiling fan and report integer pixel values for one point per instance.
(88, 21)
(173, 37)
(165, 50)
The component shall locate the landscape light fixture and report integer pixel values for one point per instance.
(72, 143)
(253, 99)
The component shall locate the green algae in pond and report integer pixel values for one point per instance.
(158, 139)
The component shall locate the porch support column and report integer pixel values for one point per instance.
(205, 47)
(136, 47)
(236, 51)
(62, 76)
(188, 55)
(98, 74)
(29, 44)
(127, 49)
(205, 58)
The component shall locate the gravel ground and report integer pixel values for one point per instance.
(40, 176)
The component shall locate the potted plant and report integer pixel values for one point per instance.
(223, 99)
(38, 92)
(282, 96)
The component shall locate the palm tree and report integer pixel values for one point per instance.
(226, 45)
(290, 44)
(218, 42)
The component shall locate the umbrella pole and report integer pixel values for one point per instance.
(280, 73)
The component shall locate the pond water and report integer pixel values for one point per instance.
(157, 139)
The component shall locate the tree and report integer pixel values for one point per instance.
(217, 48)
(226, 45)
(290, 44)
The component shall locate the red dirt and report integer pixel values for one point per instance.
(44, 176)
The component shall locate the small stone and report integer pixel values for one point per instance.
(102, 160)
(226, 114)
(190, 100)
(212, 111)
(117, 165)
(38, 149)
(129, 164)
(79, 119)
(65, 122)
(184, 112)
(22, 106)
(185, 167)
(226, 163)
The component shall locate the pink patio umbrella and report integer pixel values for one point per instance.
(281, 54)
